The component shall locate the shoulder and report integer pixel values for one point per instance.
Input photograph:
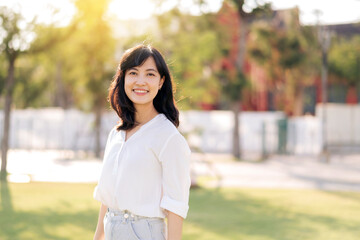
(170, 136)
(166, 130)
(164, 127)
(112, 133)
(163, 131)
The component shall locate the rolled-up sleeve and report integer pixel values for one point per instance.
(175, 160)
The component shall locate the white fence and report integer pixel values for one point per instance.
(304, 135)
(212, 131)
(342, 130)
(55, 129)
(206, 131)
(342, 123)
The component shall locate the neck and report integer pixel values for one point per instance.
(144, 114)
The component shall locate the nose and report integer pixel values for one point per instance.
(140, 80)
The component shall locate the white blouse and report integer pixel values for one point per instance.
(148, 173)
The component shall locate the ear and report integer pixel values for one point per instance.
(162, 80)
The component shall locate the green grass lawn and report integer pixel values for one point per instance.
(67, 211)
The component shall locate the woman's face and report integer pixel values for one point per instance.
(142, 83)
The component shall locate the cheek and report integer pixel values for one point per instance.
(128, 81)
(127, 86)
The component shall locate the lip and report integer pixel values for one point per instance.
(141, 89)
(140, 93)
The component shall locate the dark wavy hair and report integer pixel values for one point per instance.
(163, 102)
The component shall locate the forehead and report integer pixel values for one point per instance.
(148, 63)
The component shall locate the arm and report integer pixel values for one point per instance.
(175, 160)
(174, 226)
(99, 233)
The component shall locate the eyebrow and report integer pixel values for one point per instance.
(149, 69)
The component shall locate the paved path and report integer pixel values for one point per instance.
(342, 173)
(51, 166)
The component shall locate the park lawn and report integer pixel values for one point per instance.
(67, 211)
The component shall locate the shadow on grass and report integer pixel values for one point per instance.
(46, 224)
(6, 203)
(240, 216)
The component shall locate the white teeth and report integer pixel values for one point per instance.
(140, 91)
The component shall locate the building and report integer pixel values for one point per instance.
(262, 95)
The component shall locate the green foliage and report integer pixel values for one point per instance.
(32, 84)
(311, 62)
(28, 42)
(12, 40)
(3, 72)
(75, 62)
(86, 58)
(263, 50)
(291, 59)
(344, 60)
(232, 86)
(291, 51)
(233, 77)
(278, 50)
(191, 67)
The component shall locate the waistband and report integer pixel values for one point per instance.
(127, 215)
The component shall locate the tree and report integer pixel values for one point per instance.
(191, 58)
(17, 41)
(52, 67)
(92, 51)
(244, 18)
(305, 66)
(32, 84)
(13, 45)
(290, 58)
(344, 62)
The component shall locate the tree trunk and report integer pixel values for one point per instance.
(241, 45)
(299, 100)
(236, 136)
(10, 82)
(98, 131)
(60, 94)
(236, 105)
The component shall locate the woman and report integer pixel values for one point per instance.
(145, 176)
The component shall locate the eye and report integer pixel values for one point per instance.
(151, 74)
(132, 73)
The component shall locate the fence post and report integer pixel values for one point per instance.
(282, 136)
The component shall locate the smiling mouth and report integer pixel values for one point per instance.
(140, 91)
